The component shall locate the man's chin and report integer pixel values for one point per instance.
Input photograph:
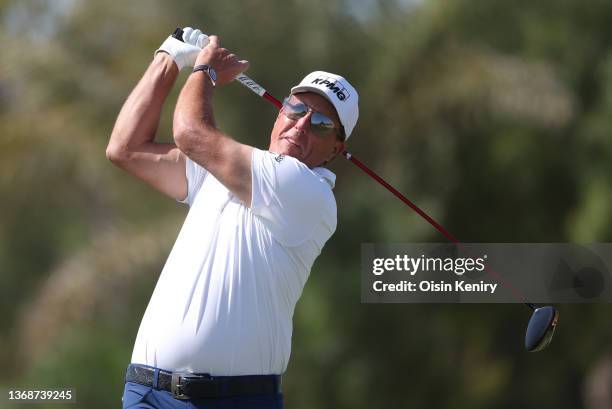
(289, 149)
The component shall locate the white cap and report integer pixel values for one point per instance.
(338, 91)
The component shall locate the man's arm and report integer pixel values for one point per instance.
(195, 131)
(132, 146)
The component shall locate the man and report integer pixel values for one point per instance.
(217, 330)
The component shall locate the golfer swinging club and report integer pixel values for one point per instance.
(217, 330)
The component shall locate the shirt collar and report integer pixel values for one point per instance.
(327, 175)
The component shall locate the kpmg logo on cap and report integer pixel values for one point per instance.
(335, 86)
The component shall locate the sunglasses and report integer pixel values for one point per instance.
(320, 124)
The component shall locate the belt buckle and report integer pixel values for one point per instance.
(177, 388)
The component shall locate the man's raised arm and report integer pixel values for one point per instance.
(132, 144)
(194, 128)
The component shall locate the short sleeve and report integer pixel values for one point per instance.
(195, 178)
(293, 201)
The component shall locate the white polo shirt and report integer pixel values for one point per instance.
(224, 301)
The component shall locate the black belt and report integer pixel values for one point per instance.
(185, 385)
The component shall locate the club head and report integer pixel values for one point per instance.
(541, 328)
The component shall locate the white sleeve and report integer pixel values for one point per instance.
(291, 199)
(195, 177)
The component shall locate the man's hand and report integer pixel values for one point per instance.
(225, 63)
(184, 53)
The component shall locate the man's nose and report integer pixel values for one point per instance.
(303, 124)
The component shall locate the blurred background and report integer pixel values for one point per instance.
(493, 115)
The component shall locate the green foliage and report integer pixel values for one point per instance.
(494, 115)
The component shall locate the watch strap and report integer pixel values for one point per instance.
(205, 68)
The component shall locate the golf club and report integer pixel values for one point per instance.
(543, 321)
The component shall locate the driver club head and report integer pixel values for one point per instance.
(541, 328)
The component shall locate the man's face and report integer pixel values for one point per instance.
(294, 137)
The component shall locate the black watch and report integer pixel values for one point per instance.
(208, 70)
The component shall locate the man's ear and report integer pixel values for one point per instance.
(337, 149)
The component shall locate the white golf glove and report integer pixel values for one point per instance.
(184, 53)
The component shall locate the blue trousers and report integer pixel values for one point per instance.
(136, 396)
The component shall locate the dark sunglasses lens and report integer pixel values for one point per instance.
(318, 119)
(321, 123)
(295, 110)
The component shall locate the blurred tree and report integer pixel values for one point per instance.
(494, 115)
